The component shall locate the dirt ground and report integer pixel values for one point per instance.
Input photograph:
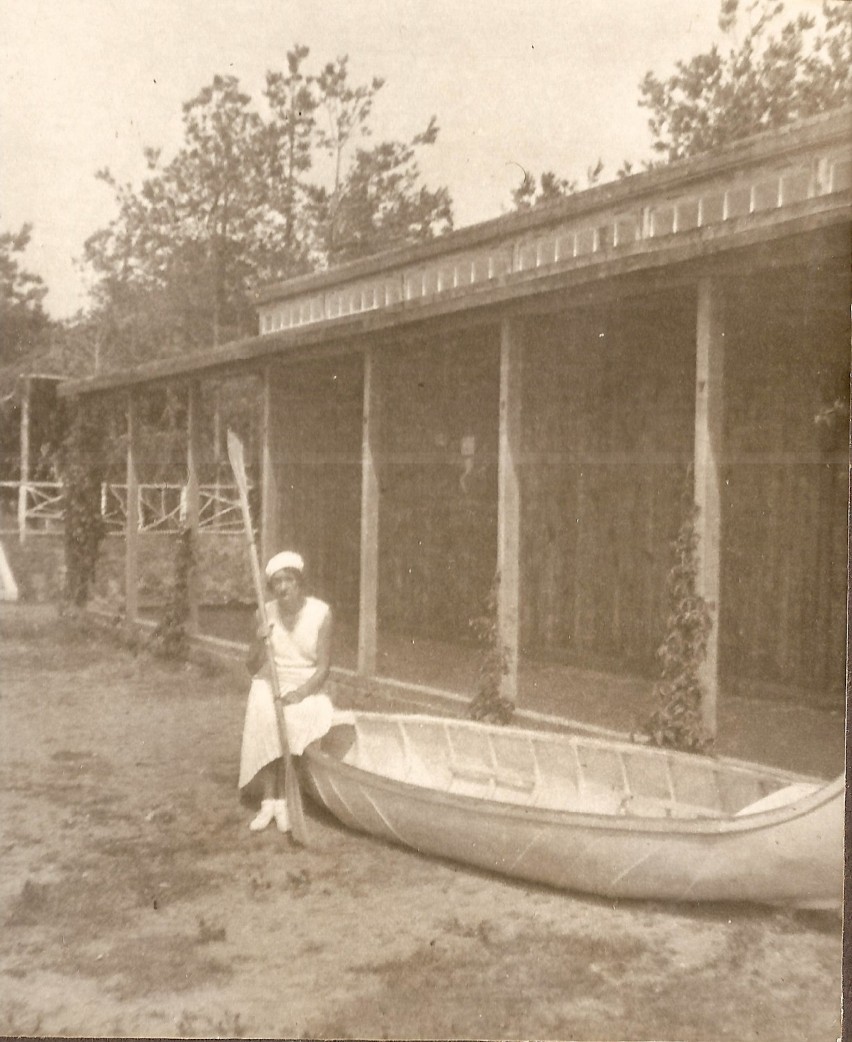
(134, 901)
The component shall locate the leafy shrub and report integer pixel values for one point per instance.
(488, 704)
(677, 721)
(82, 464)
(171, 635)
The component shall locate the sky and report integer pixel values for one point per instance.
(515, 84)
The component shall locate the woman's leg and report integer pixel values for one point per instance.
(282, 818)
(267, 778)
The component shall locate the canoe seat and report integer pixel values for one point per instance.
(497, 775)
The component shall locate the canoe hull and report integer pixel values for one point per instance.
(790, 857)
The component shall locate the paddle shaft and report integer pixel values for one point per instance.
(292, 792)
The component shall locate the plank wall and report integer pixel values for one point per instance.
(784, 514)
(318, 407)
(438, 483)
(608, 430)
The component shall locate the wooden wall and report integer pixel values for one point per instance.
(608, 433)
(318, 409)
(438, 483)
(783, 591)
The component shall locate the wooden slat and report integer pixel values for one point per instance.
(709, 404)
(131, 560)
(369, 567)
(270, 536)
(509, 506)
(193, 495)
(25, 460)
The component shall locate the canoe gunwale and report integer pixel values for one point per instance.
(625, 744)
(706, 826)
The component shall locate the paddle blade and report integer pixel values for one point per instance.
(238, 461)
(295, 808)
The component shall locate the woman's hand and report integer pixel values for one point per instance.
(290, 699)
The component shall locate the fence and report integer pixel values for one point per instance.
(36, 507)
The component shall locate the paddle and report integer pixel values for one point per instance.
(292, 792)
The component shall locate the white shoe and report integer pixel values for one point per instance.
(264, 816)
(282, 818)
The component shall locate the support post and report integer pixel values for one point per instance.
(709, 420)
(193, 494)
(23, 486)
(131, 532)
(509, 507)
(270, 521)
(369, 575)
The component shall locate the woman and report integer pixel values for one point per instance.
(299, 635)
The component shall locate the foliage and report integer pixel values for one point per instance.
(551, 188)
(243, 202)
(677, 721)
(488, 704)
(82, 466)
(172, 269)
(23, 322)
(778, 72)
(171, 635)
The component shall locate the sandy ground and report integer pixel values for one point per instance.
(135, 902)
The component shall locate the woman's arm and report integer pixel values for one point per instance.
(256, 658)
(316, 681)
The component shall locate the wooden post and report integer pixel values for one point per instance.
(709, 420)
(193, 495)
(131, 558)
(270, 520)
(509, 506)
(23, 485)
(369, 580)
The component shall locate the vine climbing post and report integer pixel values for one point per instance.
(83, 467)
(709, 433)
(131, 559)
(193, 460)
(23, 486)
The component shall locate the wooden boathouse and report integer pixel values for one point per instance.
(527, 397)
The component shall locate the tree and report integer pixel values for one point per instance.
(174, 267)
(778, 72)
(781, 71)
(24, 323)
(289, 140)
(241, 204)
(378, 200)
(382, 202)
(551, 189)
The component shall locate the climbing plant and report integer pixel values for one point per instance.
(171, 635)
(82, 462)
(488, 704)
(677, 719)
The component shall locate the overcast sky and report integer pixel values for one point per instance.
(515, 84)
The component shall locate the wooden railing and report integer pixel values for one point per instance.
(37, 507)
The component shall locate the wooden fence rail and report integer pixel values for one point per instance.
(36, 507)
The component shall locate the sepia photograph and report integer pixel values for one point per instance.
(424, 498)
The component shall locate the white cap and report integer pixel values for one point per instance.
(286, 559)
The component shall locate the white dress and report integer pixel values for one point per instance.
(295, 655)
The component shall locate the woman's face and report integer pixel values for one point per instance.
(287, 589)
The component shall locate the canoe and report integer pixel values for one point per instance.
(583, 813)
